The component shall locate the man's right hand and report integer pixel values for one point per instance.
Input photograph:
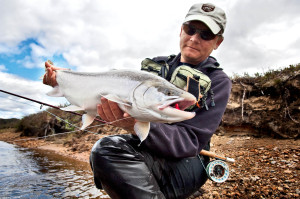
(110, 112)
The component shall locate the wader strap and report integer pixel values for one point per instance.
(193, 87)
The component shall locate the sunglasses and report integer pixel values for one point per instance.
(204, 34)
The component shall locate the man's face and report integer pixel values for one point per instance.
(193, 48)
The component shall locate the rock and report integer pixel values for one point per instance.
(273, 162)
(287, 171)
(246, 180)
(280, 189)
(216, 195)
(254, 178)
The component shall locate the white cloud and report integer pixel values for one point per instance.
(260, 35)
(93, 33)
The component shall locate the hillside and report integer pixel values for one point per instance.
(266, 104)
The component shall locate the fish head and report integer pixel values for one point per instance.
(163, 101)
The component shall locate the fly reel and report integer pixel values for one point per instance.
(217, 171)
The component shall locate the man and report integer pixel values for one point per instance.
(167, 163)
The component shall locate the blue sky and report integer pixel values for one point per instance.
(95, 35)
(21, 62)
(12, 61)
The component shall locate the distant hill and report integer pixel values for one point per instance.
(9, 123)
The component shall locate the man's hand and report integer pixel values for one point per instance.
(50, 74)
(110, 112)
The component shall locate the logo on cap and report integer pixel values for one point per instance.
(208, 8)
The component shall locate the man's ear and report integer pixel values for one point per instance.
(219, 41)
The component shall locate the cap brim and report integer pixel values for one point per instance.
(211, 24)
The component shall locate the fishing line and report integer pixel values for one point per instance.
(217, 170)
(18, 101)
(44, 137)
(63, 121)
(109, 123)
(52, 115)
(45, 111)
(43, 103)
(67, 121)
(68, 132)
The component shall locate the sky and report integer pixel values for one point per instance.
(98, 35)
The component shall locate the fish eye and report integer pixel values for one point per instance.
(169, 93)
(165, 91)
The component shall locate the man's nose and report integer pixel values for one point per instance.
(195, 37)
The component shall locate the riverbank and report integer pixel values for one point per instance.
(265, 167)
(35, 173)
(63, 145)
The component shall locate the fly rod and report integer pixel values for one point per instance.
(43, 103)
(203, 152)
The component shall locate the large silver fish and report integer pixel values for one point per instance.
(146, 97)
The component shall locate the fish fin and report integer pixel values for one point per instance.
(72, 108)
(55, 92)
(117, 99)
(142, 129)
(87, 120)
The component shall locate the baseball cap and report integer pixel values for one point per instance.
(213, 16)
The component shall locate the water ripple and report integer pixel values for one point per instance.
(38, 174)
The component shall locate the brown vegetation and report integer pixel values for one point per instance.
(8, 123)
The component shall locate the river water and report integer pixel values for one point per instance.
(26, 173)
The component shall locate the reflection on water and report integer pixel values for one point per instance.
(28, 173)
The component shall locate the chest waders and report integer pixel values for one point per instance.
(124, 169)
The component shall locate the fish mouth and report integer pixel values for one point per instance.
(174, 109)
(180, 104)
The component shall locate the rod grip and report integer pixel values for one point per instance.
(213, 155)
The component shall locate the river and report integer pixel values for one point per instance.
(27, 173)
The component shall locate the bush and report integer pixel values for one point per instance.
(9, 123)
(43, 123)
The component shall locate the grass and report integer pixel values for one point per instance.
(271, 75)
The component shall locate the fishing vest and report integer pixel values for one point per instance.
(184, 77)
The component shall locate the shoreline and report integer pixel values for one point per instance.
(265, 167)
(54, 146)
